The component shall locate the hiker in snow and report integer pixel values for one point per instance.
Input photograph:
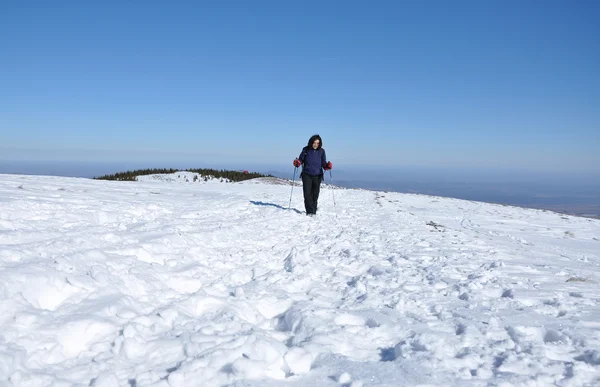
(313, 161)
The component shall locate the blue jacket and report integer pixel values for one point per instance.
(312, 161)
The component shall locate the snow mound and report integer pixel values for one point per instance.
(158, 284)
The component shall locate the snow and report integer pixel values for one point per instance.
(182, 177)
(164, 283)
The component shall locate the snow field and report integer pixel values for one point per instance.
(156, 283)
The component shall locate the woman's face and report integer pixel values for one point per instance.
(316, 144)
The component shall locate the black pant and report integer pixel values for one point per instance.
(311, 187)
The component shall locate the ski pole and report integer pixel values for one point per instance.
(293, 183)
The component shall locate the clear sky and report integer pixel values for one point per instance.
(492, 84)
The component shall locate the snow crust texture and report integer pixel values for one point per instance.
(162, 283)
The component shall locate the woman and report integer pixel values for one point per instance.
(313, 161)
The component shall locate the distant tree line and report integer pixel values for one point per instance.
(205, 172)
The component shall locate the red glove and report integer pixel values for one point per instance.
(297, 163)
(327, 166)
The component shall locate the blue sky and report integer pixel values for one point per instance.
(463, 84)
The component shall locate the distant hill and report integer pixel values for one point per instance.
(205, 173)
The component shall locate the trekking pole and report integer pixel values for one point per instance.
(293, 183)
(332, 190)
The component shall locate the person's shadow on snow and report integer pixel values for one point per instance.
(274, 205)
